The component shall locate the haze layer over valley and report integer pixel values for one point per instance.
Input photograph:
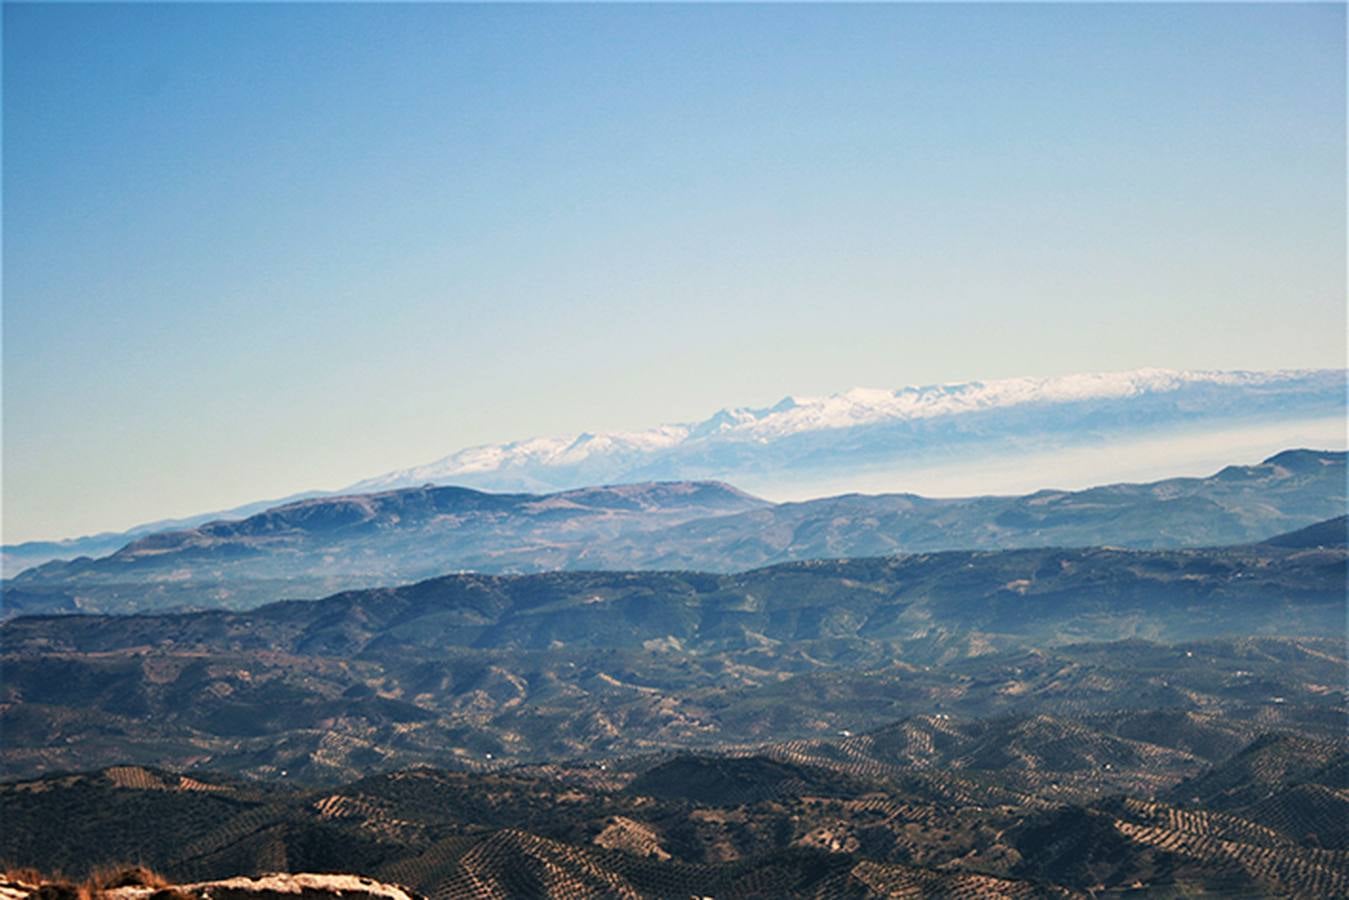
(313, 547)
(1008, 436)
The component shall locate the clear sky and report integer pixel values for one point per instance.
(256, 249)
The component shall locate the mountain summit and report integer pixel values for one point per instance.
(325, 544)
(1007, 436)
(829, 437)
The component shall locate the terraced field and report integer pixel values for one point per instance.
(923, 807)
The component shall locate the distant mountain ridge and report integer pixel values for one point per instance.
(866, 426)
(318, 546)
(26, 554)
(825, 445)
(429, 504)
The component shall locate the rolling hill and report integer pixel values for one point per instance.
(1048, 722)
(829, 820)
(318, 546)
(467, 667)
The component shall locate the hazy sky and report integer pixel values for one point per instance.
(255, 249)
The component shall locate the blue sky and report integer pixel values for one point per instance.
(256, 249)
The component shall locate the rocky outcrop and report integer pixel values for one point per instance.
(280, 886)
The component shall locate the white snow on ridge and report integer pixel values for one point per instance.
(865, 406)
(799, 415)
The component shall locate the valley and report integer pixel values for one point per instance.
(1048, 721)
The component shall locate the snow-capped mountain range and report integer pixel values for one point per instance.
(874, 427)
(1005, 436)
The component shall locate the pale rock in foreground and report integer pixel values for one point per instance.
(275, 886)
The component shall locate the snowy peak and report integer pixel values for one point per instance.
(905, 422)
(860, 406)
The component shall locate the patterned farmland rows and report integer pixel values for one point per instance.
(431, 868)
(191, 784)
(370, 816)
(1292, 871)
(632, 837)
(232, 831)
(606, 780)
(964, 788)
(138, 778)
(513, 863)
(1044, 743)
(1097, 763)
(335, 749)
(1203, 822)
(905, 882)
(345, 806)
(142, 779)
(893, 810)
(1305, 811)
(517, 863)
